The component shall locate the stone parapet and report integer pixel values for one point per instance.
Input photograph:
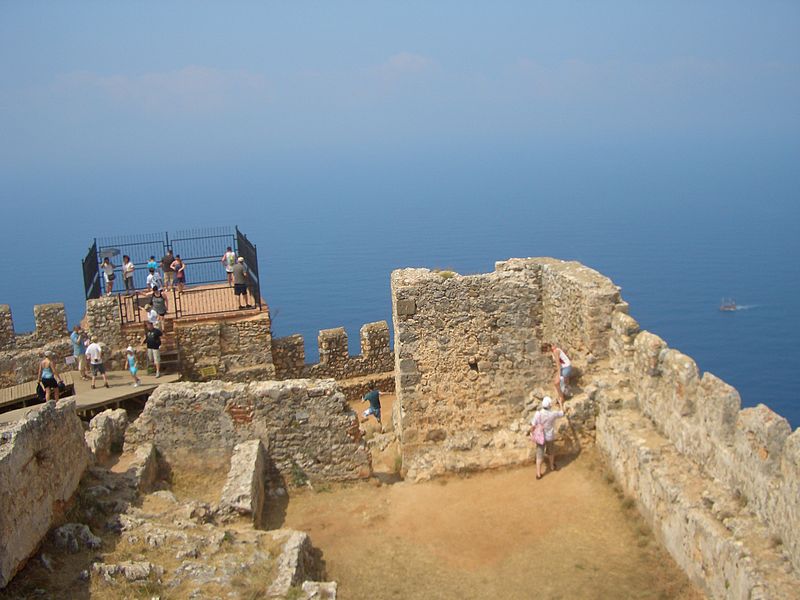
(307, 425)
(7, 334)
(706, 526)
(245, 487)
(42, 458)
(335, 361)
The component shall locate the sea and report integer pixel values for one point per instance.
(677, 227)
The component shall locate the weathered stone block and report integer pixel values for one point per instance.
(760, 436)
(406, 308)
(106, 433)
(244, 490)
(42, 458)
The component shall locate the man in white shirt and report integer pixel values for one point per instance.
(543, 431)
(94, 353)
(152, 315)
(154, 280)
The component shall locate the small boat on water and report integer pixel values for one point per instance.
(728, 305)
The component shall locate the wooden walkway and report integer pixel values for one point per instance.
(88, 399)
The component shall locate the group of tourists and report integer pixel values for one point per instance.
(542, 430)
(166, 274)
(170, 274)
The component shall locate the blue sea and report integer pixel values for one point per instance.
(678, 227)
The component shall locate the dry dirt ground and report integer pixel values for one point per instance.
(497, 534)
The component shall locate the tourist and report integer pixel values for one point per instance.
(78, 340)
(152, 263)
(48, 376)
(132, 366)
(159, 303)
(169, 272)
(229, 260)
(127, 274)
(374, 399)
(152, 339)
(108, 275)
(153, 279)
(95, 355)
(180, 273)
(240, 277)
(543, 433)
(563, 369)
(152, 315)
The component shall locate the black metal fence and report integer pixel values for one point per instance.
(201, 251)
(91, 274)
(248, 250)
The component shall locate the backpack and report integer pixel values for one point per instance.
(537, 432)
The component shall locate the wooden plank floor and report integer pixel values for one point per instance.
(120, 388)
(214, 300)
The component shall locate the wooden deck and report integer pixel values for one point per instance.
(88, 399)
(203, 301)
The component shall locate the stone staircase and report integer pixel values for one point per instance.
(170, 354)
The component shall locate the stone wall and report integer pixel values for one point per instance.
(20, 354)
(752, 451)
(334, 358)
(42, 458)
(467, 351)
(237, 349)
(307, 425)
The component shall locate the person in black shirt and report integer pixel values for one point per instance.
(152, 339)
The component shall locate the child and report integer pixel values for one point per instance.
(132, 366)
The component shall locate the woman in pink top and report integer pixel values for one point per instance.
(543, 432)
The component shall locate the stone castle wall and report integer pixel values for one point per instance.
(306, 425)
(376, 361)
(42, 458)
(20, 353)
(468, 352)
(236, 350)
(752, 451)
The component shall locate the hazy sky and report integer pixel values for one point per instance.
(146, 116)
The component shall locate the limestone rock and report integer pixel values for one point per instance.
(106, 433)
(75, 536)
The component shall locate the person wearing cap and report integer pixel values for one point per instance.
(78, 340)
(543, 433)
(48, 376)
(95, 355)
(240, 278)
(152, 315)
(131, 357)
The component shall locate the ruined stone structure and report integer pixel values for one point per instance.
(20, 353)
(306, 426)
(373, 368)
(42, 459)
(719, 486)
(467, 353)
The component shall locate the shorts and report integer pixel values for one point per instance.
(566, 371)
(98, 369)
(49, 382)
(240, 289)
(546, 448)
(154, 355)
(169, 276)
(373, 411)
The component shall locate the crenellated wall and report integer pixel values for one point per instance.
(376, 361)
(719, 485)
(20, 353)
(752, 451)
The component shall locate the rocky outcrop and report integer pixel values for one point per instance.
(42, 458)
(106, 433)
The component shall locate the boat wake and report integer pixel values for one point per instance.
(746, 306)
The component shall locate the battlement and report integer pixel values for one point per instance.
(51, 325)
(334, 357)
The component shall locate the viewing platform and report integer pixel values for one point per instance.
(88, 400)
